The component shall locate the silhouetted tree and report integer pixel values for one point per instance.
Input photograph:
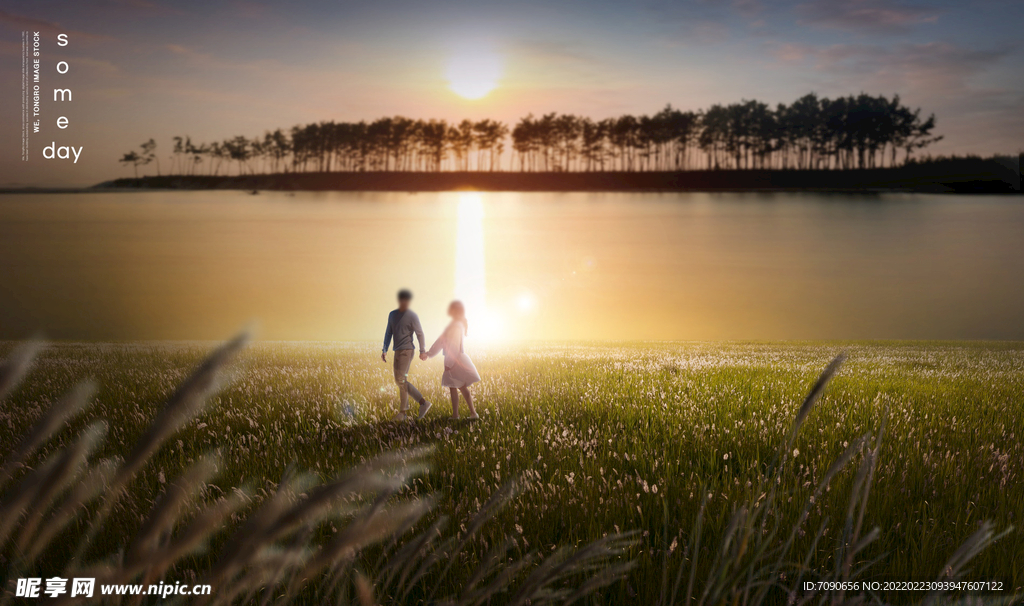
(813, 132)
(134, 159)
(148, 154)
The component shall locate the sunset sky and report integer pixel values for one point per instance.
(142, 68)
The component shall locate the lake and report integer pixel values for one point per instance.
(625, 266)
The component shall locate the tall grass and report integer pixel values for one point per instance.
(273, 555)
(523, 508)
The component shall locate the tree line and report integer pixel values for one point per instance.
(813, 132)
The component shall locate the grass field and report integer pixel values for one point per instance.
(604, 438)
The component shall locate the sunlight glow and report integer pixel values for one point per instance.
(472, 73)
(470, 273)
(526, 302)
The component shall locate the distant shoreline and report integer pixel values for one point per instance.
(948, 176)
(943, 176)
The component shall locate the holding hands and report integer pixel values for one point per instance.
(423, 356)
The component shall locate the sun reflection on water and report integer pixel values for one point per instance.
(470, 269)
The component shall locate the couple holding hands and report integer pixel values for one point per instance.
(459, 372)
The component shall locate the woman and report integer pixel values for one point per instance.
(459, 372)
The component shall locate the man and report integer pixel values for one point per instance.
(402, 324)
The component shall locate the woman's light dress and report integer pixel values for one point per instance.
(459, 370)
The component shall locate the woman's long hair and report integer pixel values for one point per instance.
(458, 312)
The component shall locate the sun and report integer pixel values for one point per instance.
(473, 73)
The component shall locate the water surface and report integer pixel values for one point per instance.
(198, 265)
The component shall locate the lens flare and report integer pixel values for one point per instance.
(526, 302)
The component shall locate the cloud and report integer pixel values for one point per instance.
(704, 21)
(210, 60)
(143, 4)
(19, 21)
(885, 16)
(560, 51)
(22, 23)
(938, 67)
(12, 48)
(748, 8)
(139, 6)
(97, 66)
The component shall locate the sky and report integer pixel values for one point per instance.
(214, 69)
